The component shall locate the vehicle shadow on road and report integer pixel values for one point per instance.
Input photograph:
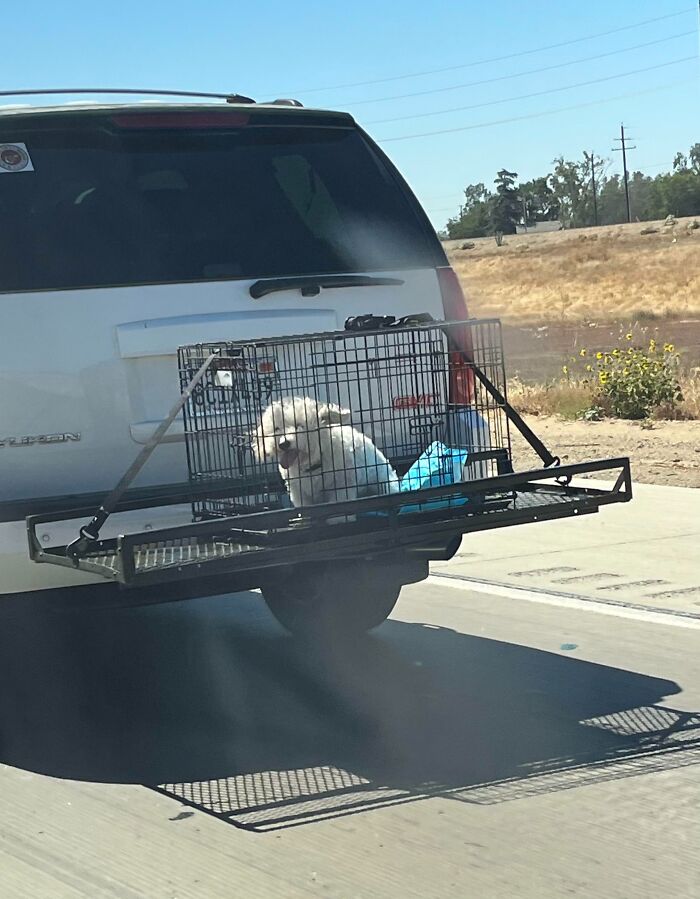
(210, 702)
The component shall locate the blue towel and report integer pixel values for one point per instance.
(434, 468)
(438, 466)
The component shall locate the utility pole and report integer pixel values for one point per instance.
(595, 198)
(621, 139)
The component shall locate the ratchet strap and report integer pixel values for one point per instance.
(516, 419)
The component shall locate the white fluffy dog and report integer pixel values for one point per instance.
(321, 458)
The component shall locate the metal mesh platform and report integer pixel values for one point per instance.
(282, 537)
(151, 557)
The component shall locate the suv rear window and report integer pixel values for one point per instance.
(108, 205)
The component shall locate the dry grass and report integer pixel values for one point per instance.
(597, 274)
(570, 399)
(689, 407)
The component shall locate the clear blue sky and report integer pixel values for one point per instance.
(287, 48)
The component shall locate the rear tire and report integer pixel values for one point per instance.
(334, 599)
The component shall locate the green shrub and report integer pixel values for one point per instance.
(632, 382)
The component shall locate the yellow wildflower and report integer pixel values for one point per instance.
(599, 355)
(668, 348)
(628, 336)
(565, 369)
(589, 368)
(603, 377)
(582, 353)
(616, 352)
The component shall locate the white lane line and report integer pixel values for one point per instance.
(674, 619)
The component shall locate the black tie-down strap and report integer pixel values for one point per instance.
(548, 459)
(464, 349)
(90, 532)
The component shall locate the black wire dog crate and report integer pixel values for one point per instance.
(345, 414)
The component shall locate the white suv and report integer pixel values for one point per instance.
(129, 230)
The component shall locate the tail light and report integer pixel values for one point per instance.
(454, 306)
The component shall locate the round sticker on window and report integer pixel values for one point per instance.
(15, 158)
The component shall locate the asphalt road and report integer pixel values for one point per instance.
(476, 744)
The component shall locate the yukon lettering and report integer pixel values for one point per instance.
(32, 440)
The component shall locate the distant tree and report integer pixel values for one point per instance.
(671, 193)
(539, 202)
(506, 209)
(680, 162)
(694, 156)
(570, 182)
(475, 194)
(678, 193)
(566, 194)
(611, 201)
(474, 217)
(644, 200)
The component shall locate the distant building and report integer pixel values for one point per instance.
(539, 228)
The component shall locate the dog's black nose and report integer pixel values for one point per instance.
(284, 444)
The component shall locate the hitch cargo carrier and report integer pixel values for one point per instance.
(387, 437)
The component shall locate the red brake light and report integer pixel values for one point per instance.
(461, 380)
(190, 120)
(454, 306)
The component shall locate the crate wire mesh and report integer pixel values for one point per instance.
(330, 417)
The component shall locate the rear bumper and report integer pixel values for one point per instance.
(18, 574)
(371, 527)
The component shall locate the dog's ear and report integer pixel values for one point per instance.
(331, 414)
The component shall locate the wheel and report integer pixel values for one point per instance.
(334, 598)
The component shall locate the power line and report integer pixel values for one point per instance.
(533, 115)
(550, 68)
(483, 62)
(551, 90)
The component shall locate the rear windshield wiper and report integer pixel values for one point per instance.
(310, 285)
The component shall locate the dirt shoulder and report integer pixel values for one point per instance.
(661, 452)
